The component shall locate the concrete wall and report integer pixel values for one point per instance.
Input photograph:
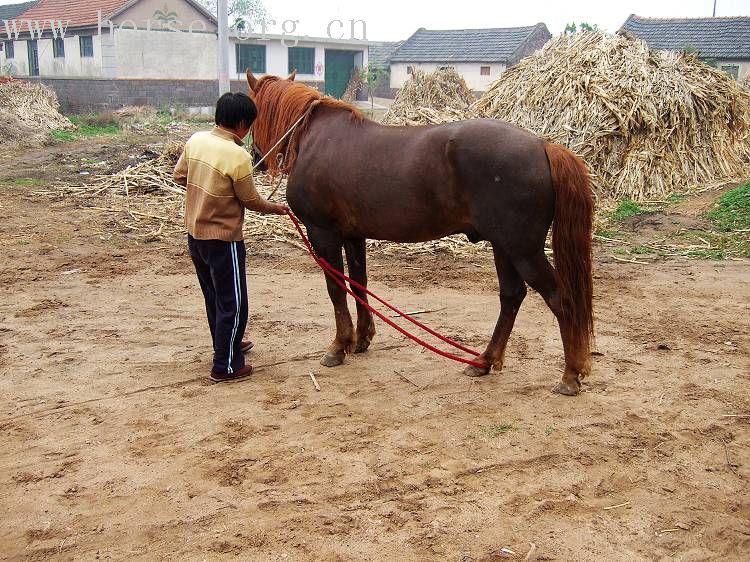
(19, 64)
(277, 58)
(470, 71)
(73, 64)
(183, 16)
(744, 66)
(165, 55)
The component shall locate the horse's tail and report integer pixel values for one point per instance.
(571, 243)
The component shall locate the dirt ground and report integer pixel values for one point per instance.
(116, 447)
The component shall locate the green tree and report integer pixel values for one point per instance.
(244, 15)
(372, 76)
(583, 26)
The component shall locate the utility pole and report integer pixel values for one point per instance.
(223, 46)
(714, 8)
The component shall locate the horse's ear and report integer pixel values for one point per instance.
(292, 76)
(252, 80)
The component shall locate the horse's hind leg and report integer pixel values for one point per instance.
(512, 293)
(356, 258)
(328, 245)
(540, 276)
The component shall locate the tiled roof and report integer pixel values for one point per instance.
(79, 13)
(464, 45)
(381, 51)
(11, 11)
(727, 38)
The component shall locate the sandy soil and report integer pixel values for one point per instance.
(114, 445)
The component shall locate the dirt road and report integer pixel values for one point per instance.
(114, 445)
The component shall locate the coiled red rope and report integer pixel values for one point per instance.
(341, 279)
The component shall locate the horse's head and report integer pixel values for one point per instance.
(255, 84)
(285, 107)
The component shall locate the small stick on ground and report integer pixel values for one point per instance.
(315, 381)
(414, 313)
(616, 506)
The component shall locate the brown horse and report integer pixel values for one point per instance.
(351, 179)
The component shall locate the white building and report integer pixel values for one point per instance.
(108, 53)
(326, 64)
(480, 55)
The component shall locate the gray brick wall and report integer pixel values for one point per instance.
(79, 95)
(84, 95)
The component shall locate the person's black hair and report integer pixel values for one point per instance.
(234, 109)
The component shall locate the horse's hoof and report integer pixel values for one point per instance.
(472, 371)
(332, 359)
(362, 346)
(566, 389)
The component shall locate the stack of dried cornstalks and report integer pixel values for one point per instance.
(648, 123)
(33, 104)
(439, 97)
(147, 177)
(353, 87)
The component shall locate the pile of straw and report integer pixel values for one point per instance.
(439, 97)
(648, 123)
(28, 113)
(353, 87)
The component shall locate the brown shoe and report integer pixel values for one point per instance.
(246, 346)
(240, 375)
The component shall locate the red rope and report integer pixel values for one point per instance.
(340, 278)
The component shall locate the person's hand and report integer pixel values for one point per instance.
(279, 209)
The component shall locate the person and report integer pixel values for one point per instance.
(217, 172)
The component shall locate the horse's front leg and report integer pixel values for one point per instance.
(328, 246)
(356, 258)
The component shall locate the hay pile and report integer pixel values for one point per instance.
(353, 87)
(648, 123)
(28, 113)
(440, 97)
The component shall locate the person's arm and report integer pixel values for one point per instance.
(181, 169)
(244, 189)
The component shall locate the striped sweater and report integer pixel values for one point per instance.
(217, 172)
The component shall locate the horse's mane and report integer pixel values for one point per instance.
(280, 104)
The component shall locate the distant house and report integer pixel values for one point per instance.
(480, 55)
(112, 39)
(724, 41)
(380, 52)
(7, 50)
(108, 53)
(323, 63)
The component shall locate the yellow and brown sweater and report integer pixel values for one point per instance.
(217, 172)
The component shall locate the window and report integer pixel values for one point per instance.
(58, 47)
(87, 46)
(484, 70)
(10, 52)
(251, 57)
(302, 59)
(732, 69)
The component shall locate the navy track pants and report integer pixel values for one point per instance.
(220, 267)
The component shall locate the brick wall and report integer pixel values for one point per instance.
(79, 95)
(86, 95)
